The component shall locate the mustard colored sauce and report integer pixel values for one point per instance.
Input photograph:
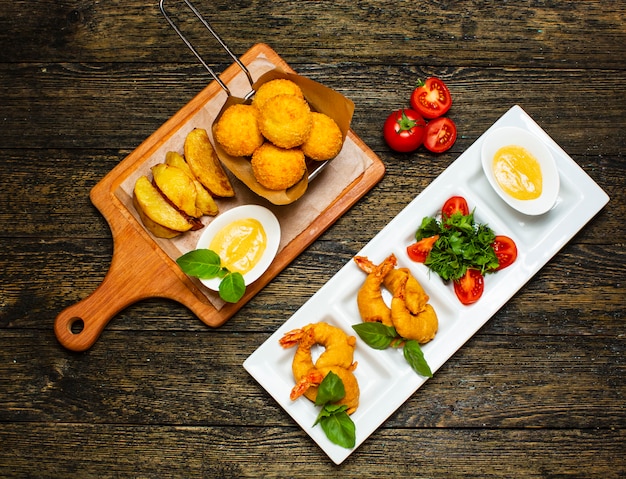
(517, 172)
(240, 244)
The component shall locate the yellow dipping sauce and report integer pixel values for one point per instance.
(240, 244)
(518, 172)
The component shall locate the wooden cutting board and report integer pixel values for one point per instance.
(142, 268)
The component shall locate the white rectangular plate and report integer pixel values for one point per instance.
(385, 379)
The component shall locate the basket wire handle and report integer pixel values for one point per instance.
(198, 56)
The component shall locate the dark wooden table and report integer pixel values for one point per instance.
(539, 391)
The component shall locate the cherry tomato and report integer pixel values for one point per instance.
(470, 287)
(418, 251)
(505, 250)
(431, 98)
(440, 135)
(404, 130)
(453, 205)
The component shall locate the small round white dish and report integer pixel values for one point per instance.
(272, 231)
(511, 135)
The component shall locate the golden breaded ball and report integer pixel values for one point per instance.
(279, 86)
(325, 140)
(286, 120)
(237, 130)
(278, 168)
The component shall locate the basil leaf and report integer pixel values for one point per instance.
(200, 263)
(331, 389)
(415, 357)
(375, 335)
(232, 287)
(338, 427)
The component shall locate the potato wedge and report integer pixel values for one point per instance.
(204, 200)
(151, 203)
(178, 187)
(205, 165)
(155, 228)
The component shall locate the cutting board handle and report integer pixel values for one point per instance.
(79, 326)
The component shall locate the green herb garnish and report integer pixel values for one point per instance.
(206, 264)
(462, 245)
(335, 421)
(379, 336)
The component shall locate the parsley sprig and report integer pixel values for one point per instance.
(462, 245)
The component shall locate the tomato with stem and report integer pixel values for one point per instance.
(506, 251)
(440, 135)
(469, 288)
(431, 98)
(404, 130)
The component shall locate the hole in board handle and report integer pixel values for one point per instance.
(76, 326)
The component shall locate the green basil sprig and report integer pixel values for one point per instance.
(335, 421)
(206, 264)
(378, 336)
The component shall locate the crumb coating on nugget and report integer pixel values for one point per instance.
(286, 120)
(279, 86)
(237, 130)
(325, 140)
(278, 168)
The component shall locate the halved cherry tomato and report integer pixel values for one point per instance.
(404, 130)
(431, 98)
(506, 251)
(440, 134)
(453, 205)
(470, 287)
(418, 251)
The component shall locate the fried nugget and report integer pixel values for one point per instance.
(286, 120)
(325, 140)
(237, 130)
(278, 168)
(279, 86)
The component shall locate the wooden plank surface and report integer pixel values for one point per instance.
(539, 392)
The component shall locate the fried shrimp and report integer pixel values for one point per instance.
(337, 357)
(237, 130)
(278, 86)
(415, 296)
(421, 327)
(308, 384)
(372, 306)
(325, 140)
(278, 168)
(286, 120)
(338, 346)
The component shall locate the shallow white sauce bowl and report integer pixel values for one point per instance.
(272, 231)
(511, 135)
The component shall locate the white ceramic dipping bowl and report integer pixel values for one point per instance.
(272, 231)
(511, 135)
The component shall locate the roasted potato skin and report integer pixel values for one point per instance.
(177, 187)
(154, 209)
(205, 165)
(204, 201)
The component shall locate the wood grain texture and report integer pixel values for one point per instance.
(538, 392)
